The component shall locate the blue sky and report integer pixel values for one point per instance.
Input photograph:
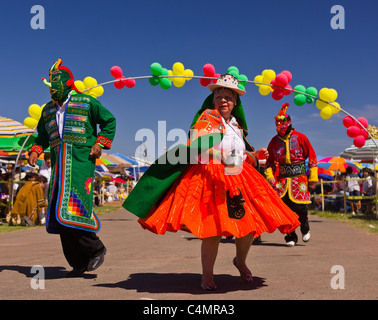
(92, 36)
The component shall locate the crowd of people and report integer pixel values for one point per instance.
(29, 194)
(361, 186)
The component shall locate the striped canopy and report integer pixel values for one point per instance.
(13, 134)
(368, 152)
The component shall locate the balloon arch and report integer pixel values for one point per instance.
(268, 83)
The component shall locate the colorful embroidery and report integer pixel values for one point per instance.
(74, 129)
(79, 105)
(88, 185)
(75, 117)
(37, 149)
(107, 143)
(76, 207)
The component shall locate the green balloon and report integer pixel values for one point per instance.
(313, 93)
(233, 70)
(156, 69)
(300, 99)
(241, 87)
(299, 88)
(154, 81)
(243, 79)
(164, 72)
(165, 83)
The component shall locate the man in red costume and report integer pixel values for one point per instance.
(289, 150)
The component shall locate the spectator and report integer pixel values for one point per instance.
(353, 187)
(29, 203)
(112, 192)
(368, 189)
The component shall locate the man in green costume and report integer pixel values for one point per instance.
(68, 125)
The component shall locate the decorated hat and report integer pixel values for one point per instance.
(282, 116)
(227, 81)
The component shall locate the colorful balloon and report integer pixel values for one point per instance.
(359, 141)
(348, 121)
(156, 68)
(30, 122)
(116, 71)
(35, 111)
(363, 121)
(353, 131)
(326, 113)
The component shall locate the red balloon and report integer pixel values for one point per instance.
(277, 94)
(217, 75)
(287, 91)
(208, 70)
(129, 82)
(116, 72)
(205, 82)
(348, 121)
(281, 80)
(119, 84)
(288, 75)
(364, 133)
(359, 141)
(353, 131)
(363, 121)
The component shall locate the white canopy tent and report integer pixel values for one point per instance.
(369, 152)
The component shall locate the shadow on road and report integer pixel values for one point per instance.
(182, 283)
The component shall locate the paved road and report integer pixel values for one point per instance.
(140, 265)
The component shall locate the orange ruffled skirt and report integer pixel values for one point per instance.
(207, 202)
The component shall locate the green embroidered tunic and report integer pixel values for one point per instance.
(72, 174)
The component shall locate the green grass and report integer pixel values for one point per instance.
(109, 208)
(362, 221)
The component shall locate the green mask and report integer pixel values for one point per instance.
(61, 81)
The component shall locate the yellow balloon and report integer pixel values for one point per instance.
(336, 107)
(98, 91)
(326, 112)
(170, 72)
(321, 104)
(328, 94)
(178, 68)
(89, 82)
(264, 90)
(35, 111)
(30, 122)
(178, 82)
(188, 73)
(333, 94)
(268, 75)
(258, 78)
(80, 85)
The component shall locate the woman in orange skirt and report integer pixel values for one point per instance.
(222, 193)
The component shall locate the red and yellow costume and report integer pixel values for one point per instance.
(290, 153)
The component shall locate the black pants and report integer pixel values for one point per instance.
(301, 211)
(79, 246)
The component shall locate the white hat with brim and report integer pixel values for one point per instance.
(227, 81)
